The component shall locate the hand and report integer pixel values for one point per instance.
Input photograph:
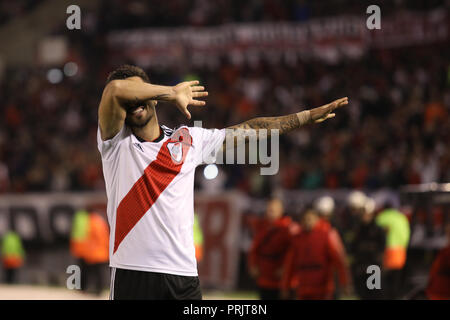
(184, 94)
(326, 111)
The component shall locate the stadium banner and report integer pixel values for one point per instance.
(46, 218)
(220, 221)
(326, 38)
(44, 221)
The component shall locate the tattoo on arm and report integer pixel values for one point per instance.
(242, 132)
(284, 123)
(161, 97)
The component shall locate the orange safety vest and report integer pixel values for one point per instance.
(97, 242)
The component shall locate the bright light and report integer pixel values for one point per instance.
(70, 69)
(54, 75)
(211, 171)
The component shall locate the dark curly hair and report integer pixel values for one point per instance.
(126, 71)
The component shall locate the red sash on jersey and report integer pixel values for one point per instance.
(157, 176)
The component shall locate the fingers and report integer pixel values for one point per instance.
(199, 94)
(193, 102)
(193, 82)
(198, 88)
(340, 102)
(328, 116)
(186, 112)
(197, 103)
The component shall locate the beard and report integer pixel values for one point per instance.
(135, 122)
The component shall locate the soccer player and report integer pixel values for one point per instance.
(149, 176)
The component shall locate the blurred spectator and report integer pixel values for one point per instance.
(198, 239)
(367, 249)
(355, 209)
(439, 280)
(397, 230)
(324, 206)
(268, 251)
(78, 236)
(14, 9)
(13, 256)
(311, 260)
(90, 244)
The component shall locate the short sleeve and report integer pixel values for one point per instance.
(208, 143)
(107, 147)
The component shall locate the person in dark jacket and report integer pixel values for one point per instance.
(367, 249)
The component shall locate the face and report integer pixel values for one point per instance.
(309, 220)
(274, 209)
(139, 113)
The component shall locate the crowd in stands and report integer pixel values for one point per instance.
(10, 10)
(121, 14)
(395, 130)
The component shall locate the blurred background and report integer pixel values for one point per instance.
(256, 58)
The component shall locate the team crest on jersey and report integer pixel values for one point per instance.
(179, 144)
(176, 151)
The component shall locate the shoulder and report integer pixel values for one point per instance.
(108, 147)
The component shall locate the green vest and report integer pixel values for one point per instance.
(397, 226)
(198, 234)
(12, 245)
(80, 226)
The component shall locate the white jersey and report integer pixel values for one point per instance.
(150, 190)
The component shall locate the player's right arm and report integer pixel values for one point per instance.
(118, 93)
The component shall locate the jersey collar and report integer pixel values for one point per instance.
(161, 136)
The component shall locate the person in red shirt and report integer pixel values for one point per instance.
(311, 261)
(268, 250)
(324, 206)
(439, 280)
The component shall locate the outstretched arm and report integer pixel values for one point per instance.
(284, 124)
(118, 93)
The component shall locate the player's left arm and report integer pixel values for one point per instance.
(284, 124)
